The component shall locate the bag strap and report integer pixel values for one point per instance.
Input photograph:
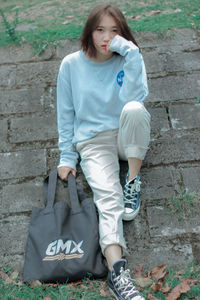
(51, 191)
(73, 194)
(51, 188)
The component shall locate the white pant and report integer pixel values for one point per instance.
(100, 164)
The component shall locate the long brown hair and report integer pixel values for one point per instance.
(93, 21)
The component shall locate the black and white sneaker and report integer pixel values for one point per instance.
(120, 282)
(131, 198)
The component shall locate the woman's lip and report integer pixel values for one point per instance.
(104, 47)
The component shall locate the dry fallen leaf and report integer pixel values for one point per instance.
(136, 18)
(102, 293)
(14, 275)
(143, 281)
(165, 289)
(35, 283)
(79, 282)
(51, 284)
(159, 272)
(182, 288)
(139, 271)
(151, 297)
(153, 12)
(156, 286)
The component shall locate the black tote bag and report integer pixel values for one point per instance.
(63, 240)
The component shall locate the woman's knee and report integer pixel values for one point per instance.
(135, 110)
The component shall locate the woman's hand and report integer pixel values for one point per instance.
(63, 172)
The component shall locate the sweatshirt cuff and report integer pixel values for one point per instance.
(122, 46)
(66, 164)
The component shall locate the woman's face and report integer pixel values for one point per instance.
(102, 37)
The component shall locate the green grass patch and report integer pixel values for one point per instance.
(185, 205)
(13, 288)
(174, 278)
(44, 22)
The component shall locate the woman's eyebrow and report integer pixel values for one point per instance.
(101, 26)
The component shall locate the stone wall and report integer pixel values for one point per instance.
(28, 148)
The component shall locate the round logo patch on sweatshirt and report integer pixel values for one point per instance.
(120, 77)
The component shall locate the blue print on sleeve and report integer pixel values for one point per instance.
(120, 76)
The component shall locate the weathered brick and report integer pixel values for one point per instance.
(23, 53)
(3, 134)
(21, 101)
(174, 88)
(157, 183)
(14, 231)
(191, 178)
(7, 76)
(53, 157)
(21, 197)
(33, 128)
(39, 73)
(174, 254)
(13, 261)
(189, 61)
(173, 149)
(22, 164)
(154, 62)
(183, 37)
(67, 47)
(159, 119)
(163, 223)
(185, 116)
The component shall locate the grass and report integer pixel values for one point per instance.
(45, 22)
(185, 205)
(94, 290)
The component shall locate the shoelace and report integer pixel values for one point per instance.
(124, 282)
(130, 192)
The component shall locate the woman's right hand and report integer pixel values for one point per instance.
(63, 172)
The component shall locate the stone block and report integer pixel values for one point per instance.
(173, 88)
(185, 116)
(53, 157)
(159, 119)
(175, 255)
(154, 62)
(174, 37)
(191, 178)
(21, 197)
(22, 100)
(14, 232)
(163, 223)
(67, 47)
(22, 164)
(23, 53)
(7, 76)
(37, 74)
(33, 128)
(157, 183)
(183, 62)
(14, 261)
(173, 149)
(3, 134)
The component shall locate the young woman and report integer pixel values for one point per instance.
(101, 117)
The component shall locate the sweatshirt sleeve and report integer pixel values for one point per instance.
(65, 114)
(134, 86)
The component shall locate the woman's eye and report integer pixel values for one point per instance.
(99, 29)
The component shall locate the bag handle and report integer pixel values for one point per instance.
(73, 194)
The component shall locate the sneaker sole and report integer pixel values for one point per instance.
(130, 217)
(136, 297)
(111, 291)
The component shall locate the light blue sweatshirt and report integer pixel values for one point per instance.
(91, 95)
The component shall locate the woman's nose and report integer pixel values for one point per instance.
(107, 36)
